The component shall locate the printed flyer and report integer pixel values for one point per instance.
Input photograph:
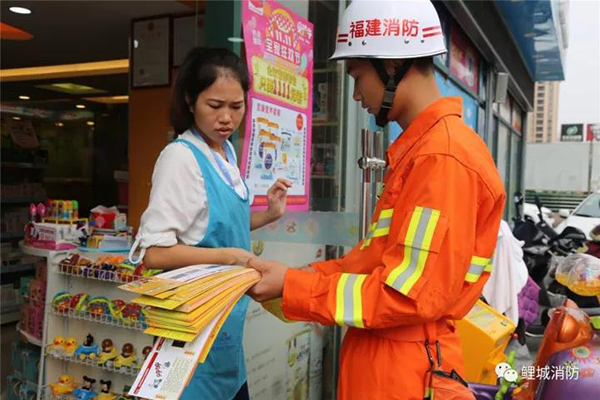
(279, 52)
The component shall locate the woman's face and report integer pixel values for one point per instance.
(220, 108)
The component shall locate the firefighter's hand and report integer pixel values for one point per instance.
(271, 284)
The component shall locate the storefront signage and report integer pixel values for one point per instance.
(571, 133)
(464, 60)
(593, 132)
(279, 52)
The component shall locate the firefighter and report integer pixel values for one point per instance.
(427, 254)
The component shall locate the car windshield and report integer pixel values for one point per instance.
(590, 207)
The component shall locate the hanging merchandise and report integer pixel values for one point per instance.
(279, 52)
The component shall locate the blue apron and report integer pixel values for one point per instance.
(223, 373)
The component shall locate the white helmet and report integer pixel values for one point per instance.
(392, 29)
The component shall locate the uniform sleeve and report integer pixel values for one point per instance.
(177, 198)
(428, 254)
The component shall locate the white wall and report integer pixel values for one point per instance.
(561, 166)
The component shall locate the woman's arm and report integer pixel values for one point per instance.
(277, 200)
(182, 255)
(261, 218)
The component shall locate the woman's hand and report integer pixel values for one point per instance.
(277, 198)
(235, 256)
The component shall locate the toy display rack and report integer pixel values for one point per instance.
(46, 394)
(78, 325)
(64, 221)
(101, 319)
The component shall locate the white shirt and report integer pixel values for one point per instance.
(178, 208)
(509, 274)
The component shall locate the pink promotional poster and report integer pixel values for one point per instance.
(279, 52)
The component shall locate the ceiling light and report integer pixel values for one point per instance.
(80, 106)
(235, 39)
(20, 10)
(71, 88)
(60, 124)
(24, 97)
(65, 71)
(108, 99)
(17, 118)
(90, 123)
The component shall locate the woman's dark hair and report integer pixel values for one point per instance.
(200, 70)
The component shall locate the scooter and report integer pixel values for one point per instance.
(567, 365)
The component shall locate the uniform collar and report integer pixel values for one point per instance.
(420, 125)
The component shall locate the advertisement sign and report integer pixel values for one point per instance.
(593, 132)
(464, 60)
(279, 52)
(571, 133)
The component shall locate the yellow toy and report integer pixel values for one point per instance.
(108, 353)
(57, 348)
(65, 385)
(105, 393)
(70, 347)
(127, 358)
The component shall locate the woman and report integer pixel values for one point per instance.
(199, 209)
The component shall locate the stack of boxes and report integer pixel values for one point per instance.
(33, 291)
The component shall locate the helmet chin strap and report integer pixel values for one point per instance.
(390, 82)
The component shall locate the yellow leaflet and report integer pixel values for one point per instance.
(195, 303)
(169, 334)
(192, 292)
(216, 330)
(199, 284)
(205, 314)
(150, 286)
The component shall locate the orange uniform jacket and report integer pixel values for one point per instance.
(426, 258)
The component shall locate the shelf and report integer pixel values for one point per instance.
(66, 180)
(11, 235)
(93, 363)
(46, 394)
(34, 251)
(23, 165)
(16, 268)
(22, 199)
(31, 339)
(99, 275)
(10, 317)
(103, 319)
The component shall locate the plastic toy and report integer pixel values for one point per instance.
(127, 358)
(86, 391)
(88, 349)
(70, 347)
(27, 391)
(108, 353)
(132, 313)
(125, 395)
(57, 348)
(98, 307)
(105, 393)
(61, 302)
(70, 264)
(79, 302)
(65, 385)
(115, 308)
(146, 351)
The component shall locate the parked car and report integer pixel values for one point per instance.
(585, 217)
(530, 210)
